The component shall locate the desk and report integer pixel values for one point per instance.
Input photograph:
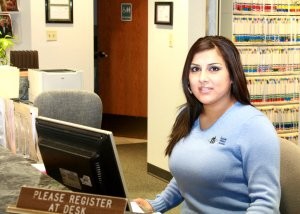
(15, 171)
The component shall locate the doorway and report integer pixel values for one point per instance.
(121, 66)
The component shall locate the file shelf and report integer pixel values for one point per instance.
(267, 34)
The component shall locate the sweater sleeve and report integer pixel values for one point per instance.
(260, 151)
(167, 199)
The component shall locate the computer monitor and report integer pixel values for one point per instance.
(82, 158)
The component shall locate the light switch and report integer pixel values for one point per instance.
(51, 35)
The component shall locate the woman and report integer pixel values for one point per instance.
(223, 153)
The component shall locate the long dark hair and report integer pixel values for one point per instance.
(191, 110)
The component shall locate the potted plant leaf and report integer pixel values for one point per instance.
(9, 75)
(5, 43)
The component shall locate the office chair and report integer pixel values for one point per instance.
(289, 177)
(76, 106)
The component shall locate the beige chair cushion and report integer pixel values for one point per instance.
(290, 177)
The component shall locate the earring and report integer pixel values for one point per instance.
(190, 90)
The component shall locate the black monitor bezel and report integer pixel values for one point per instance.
(62, 132)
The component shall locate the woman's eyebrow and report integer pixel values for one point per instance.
(215, 63)
(210, 64)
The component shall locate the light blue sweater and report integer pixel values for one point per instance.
(232, 167)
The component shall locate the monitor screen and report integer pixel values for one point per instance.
(82, 158)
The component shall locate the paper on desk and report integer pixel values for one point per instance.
(40, 167)
(2, 123)
(9, 125)
(135, 207)
(25, 133)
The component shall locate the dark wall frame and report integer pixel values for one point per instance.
(163, 13)
(59, 11)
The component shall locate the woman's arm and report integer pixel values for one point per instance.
(260, 150)
(164, 201)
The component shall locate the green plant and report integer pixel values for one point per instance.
(5, 43)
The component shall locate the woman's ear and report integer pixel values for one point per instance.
(189, 88)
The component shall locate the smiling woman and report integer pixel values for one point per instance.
(210, 83)
(217, 166)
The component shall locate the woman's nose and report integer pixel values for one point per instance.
(203, 76)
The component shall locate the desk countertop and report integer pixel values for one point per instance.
(15, 171)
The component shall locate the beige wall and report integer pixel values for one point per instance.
(74, 48)
(165, 65)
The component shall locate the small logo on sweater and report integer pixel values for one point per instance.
(214, 139)
(222, 140)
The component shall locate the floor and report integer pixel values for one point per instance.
(133, 159)
(130, 135)
(128, 140)
(126, 129)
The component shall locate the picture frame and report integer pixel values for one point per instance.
(9, 6)
(6, 26)
(163, 13)
(59, 11)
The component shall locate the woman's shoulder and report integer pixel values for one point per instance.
(250, 115)
(257, 124)
(247, 109)
(243, 113)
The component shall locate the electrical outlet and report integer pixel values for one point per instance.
(51, 35)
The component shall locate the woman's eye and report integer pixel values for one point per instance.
(194, 69)
(214, 68)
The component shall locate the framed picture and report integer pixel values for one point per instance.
(8, 5)
(6, 27)
(59, 11)
(163, 13)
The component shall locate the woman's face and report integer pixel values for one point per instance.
(209, 78)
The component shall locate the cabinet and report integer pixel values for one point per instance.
(267, 34)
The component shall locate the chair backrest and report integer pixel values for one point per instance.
(290, 177)
(76, 106)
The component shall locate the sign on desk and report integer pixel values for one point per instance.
(66, 202)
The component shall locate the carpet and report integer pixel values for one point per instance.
(133, 158)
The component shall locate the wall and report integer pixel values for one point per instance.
(74, 46)
(165, 63)
(74, 49)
